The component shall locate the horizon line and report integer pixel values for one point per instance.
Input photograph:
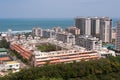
(53, 17)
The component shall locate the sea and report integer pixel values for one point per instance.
(18, 24)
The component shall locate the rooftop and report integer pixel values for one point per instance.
(3, 50)
(5, 59)
(11, 62)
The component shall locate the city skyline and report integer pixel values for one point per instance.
(57, 9)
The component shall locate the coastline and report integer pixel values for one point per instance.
(21, 31)
(19, 24)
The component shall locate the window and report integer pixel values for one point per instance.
(17, 65)
(10, 65)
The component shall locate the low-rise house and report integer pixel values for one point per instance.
(11, 65)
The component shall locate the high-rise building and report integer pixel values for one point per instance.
(37, 31)
(117, 42)
(105, 29)
(9, 35)
(113, 33)
(84, 24)
(88, 26)
(95, 26)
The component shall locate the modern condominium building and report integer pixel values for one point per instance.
(105, 29)
(113, 33)
(97, 27)
(117, 43)
(84, 24)
(9, 34)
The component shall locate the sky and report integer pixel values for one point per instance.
(58, 8)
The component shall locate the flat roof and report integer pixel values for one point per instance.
(3, 50)
(5, 59)
(11, 62)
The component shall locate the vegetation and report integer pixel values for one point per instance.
(4, 43)
(48, 47)
(102, 69)
(28, 33)
(44, 78)
(104, 44)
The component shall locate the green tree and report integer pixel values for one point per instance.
(4, 44)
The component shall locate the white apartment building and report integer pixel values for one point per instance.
(37, 31)
(113, 33)
(9, 35)
(89, 42)
(65, 37)
(104, 52)
(14, 65)
(88, 26)
(47, 33)
(57, 29)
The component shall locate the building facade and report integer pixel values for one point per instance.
(65, 37)
(84, 24)
(95, 26)
(58, 29)
(47, 33)
(89, 42)
(105, 29)
(4, 55)
(11, 65)
(117, 42)
(64, 56)
(113, 33)
(25, 53)
(73, 30)
(9, 35)
(37, 31)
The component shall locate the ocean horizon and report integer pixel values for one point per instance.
(19, 24)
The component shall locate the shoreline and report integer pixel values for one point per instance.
(20, 31)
